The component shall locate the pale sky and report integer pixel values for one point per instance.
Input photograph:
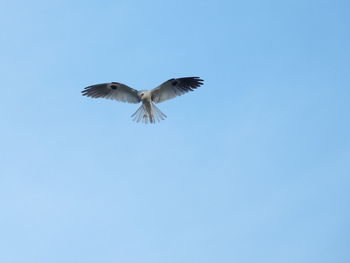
(252, 167)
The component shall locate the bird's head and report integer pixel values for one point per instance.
(141, 94)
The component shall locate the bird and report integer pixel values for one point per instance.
(148, 112)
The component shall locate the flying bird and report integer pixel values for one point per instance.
(147, 112)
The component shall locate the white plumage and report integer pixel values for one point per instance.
(147, 112)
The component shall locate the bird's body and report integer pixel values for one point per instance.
(146, 99)
(148, 112)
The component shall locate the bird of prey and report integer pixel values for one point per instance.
(147, 112)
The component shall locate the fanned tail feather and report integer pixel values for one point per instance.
(141, 115)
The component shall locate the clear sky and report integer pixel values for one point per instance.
(252, 167)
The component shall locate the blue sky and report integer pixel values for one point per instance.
(252, 167)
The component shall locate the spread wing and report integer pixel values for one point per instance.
(112, 91)
(175, 87)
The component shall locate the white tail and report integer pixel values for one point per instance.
(142, 115)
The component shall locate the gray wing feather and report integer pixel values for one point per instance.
(113, 91)
(175, 87)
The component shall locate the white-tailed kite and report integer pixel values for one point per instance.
(147, 112)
